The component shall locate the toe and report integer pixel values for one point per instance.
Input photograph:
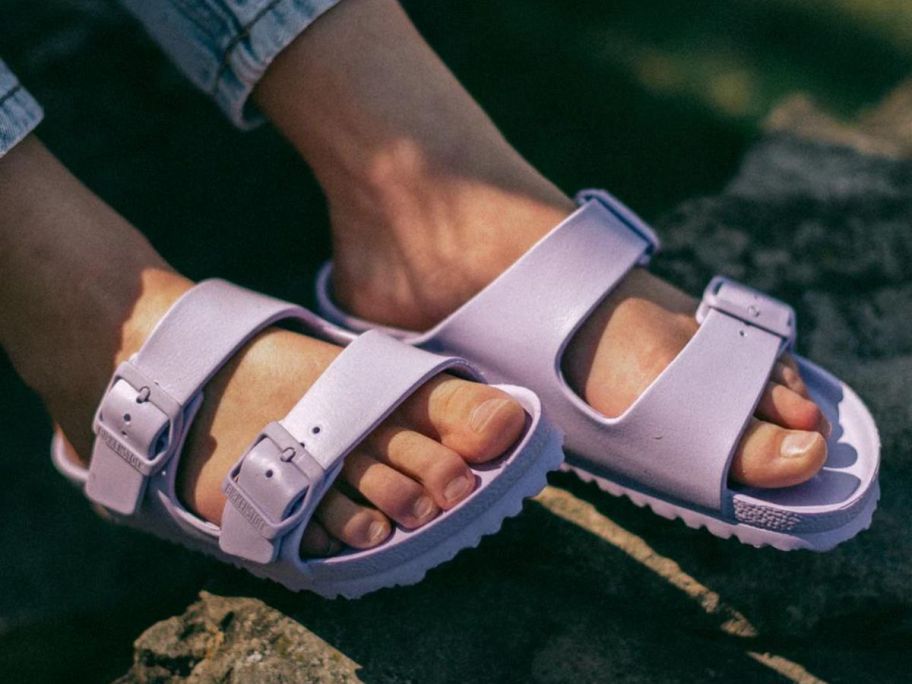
(394, 493)
(438, 468)
(316, 542)
(787, 408)
(477, 421)
(771, 456)
(787, 374)
(352, 523)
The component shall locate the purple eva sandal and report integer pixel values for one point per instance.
(517, 328)
(275, 486)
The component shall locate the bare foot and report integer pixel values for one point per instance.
(409, 469)
(96, 289)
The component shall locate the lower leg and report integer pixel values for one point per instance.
(429, 203)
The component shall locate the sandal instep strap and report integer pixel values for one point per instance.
(145, 413)
(277, 484)
(527, 315)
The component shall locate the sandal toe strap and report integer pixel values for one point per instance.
(275, 487)
(694, 414)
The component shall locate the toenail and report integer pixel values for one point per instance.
(484, 412)
(457, 489)
(377, 532)
(825, 427)
(796, 444)
(423, 507)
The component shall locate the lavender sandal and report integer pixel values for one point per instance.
(275, 486)
(517, 328)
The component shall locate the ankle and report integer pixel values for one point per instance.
(428, 201)
(420, 232)
(103, 329)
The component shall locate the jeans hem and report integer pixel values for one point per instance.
(254, 48)
(20, 113)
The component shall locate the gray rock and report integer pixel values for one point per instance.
(235, 640)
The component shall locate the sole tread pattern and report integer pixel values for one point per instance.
(752, 536)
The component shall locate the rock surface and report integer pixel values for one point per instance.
(236, 640)
(584, 587)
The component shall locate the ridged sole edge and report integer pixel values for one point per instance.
(746, 534)
(487, 523)
(549, 458)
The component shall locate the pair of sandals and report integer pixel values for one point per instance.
(670, 450)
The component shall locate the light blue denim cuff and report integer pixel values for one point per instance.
(19, 112)
(224, 46)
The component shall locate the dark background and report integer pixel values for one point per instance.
(656, 100)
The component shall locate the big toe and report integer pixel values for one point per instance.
(771, 456)
(477, 421)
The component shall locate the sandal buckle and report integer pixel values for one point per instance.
(750, 306)
(273, 488)
(137, 428)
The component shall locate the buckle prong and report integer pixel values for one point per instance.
(749, 306)
(287, 450)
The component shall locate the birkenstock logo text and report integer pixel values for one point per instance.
(119, 448)
(244, 507)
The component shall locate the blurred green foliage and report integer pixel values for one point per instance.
(657, 99)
